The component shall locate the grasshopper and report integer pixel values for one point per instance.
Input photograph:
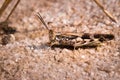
(74, 40)
(58, 39)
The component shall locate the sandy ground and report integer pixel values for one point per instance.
(28, 58)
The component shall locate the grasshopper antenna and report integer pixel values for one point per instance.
(51, 33)
(41, 19)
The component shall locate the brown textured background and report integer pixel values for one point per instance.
(28, 58)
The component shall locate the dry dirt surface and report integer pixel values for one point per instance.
(29, 58)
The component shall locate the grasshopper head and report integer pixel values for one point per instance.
(51, 35)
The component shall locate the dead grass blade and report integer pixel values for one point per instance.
(105, 11)
(5, 5)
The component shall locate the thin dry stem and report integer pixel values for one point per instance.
(13, 9)
(105, 11)
(5, 5)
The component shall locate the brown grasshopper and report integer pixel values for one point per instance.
(58, 39)
(73, 40)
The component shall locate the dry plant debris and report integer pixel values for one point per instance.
(105, 11)
(5, 30)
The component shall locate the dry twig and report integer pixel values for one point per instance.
(5, 5)
(105, 11)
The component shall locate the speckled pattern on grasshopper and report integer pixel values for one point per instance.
(74, 40)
